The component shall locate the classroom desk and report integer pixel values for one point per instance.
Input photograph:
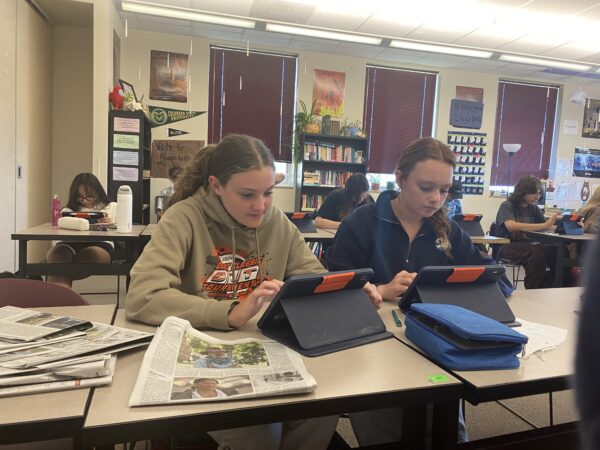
(535, 375)
(321, 235)
(47, 232)
(50, 415)
(489, 240)
(377, 375)
(560, 241)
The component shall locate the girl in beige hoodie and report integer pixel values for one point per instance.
(220, 252)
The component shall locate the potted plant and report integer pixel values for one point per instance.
(375, 181)
(304, 122)
(352, 129)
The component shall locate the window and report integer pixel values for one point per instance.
(252, 93)
(525, 115)
(399, 108)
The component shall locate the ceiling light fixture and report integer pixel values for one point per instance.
(459, 51)
(324, 34)
(185, 14)
(545, 62)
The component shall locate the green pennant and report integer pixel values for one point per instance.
(162, 116)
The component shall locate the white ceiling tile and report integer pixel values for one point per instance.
(282, 11)
(560, 6)
(505, 3)
(437, 34)
(344, 20)
(382, 26)
(434, 60)
(487, 38)
(235, 7)
(568, 51)
(529, 46)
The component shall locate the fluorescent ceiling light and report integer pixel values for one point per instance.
(185, 14)
(460, 51)
(324, 34)
(545, 62)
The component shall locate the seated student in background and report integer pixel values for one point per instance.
(86, 194)
(341, 202)
(163, 197)
(521, 213)
(221, 219)
(396, 236)
(455, 193)
(591, 213)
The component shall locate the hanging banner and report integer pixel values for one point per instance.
(164, 116)
(168, 76)
(328, 92)
(175, 132)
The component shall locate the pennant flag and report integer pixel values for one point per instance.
(164, 116)
(174, 132)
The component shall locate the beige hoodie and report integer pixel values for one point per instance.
(186, 269)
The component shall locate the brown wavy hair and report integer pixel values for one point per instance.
(355, 185)
(235, 153)
(421, 150)
(526, 185)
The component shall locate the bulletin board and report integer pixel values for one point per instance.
(470, 149)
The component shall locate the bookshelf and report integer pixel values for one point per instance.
(326, 164)
(129, 139)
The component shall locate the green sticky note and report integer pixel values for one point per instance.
(437, 378)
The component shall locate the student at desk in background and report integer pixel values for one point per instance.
(591, 213)
(521, 213)
(398, 235)
(341, 202)
(221, 223)
(85, 194)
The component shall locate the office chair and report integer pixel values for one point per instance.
(26, 293)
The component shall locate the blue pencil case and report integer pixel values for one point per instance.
(460, 339)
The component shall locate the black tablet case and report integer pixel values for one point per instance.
(317, 324)
(471, 223)
(570, 225)
(472, 287)
(304, 221)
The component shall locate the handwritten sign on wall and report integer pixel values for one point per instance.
(466, 114)
(168, 154)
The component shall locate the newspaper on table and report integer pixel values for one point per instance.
(25, 325)
(185, 365)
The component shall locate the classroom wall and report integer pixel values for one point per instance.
(72, 106)
(8, 40)
(33, 122)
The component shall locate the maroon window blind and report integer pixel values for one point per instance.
(525, 115)
(252, 94)
(398, 109)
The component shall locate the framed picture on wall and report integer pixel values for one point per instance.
(128, 89)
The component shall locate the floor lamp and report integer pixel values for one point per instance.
(510, 150)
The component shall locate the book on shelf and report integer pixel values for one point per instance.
(332, 153)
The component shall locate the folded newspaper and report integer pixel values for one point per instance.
(185, 365)
(50, 362)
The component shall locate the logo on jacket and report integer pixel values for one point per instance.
(229, 278)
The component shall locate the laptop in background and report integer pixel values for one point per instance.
(303, 220)
(471, 223)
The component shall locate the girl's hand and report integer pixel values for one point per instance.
(373, 294)
(397, 286)
(551, 221)
(241, 313)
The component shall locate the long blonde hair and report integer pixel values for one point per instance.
(422, 150)
(593, 202)
(235, 153)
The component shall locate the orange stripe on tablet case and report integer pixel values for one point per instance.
(334, 282)
(470, 217)
(298, 215)
(574, 218)
(465, 274)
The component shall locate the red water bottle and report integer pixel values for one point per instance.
(55, 210)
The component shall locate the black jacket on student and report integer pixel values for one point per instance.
(373, 237)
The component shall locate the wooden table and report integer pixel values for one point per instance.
(321, 235)
(47, 232)
(378, 375)
(560, 241)
(489, 240)
(535, 375)
(50, 415)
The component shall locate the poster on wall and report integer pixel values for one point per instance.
(471, 94)
(586, 163)
(466, 114)
(168, 76)
(167, 154)
(328, 92)
(591, 119)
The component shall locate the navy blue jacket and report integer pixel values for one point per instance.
(372, 237)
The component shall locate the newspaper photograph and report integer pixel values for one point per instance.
(24, 325)
(185, 365)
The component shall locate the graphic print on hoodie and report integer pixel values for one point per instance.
(225, 280)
